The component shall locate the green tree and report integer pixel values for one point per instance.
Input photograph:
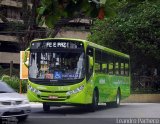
(30, 29)
(51, 11)
(135, 30)
(2, 17)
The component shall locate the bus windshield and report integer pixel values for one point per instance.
(57, 65)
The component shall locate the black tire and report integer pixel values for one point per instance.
(46, 107)
(117, 102)
(22, 118)
(95, 99)
(118, 99)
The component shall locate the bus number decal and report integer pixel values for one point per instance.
(102, 81)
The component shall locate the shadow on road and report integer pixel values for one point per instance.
(74, 110)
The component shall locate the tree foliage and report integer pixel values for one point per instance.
(135, 30)
(2, 17)
(50, 11)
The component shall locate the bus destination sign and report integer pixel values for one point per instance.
(56, 44)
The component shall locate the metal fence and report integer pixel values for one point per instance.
(145, 84)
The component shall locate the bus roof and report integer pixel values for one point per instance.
(88, 43)
(107, 49)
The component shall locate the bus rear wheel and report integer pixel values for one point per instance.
(95, 99)
(46, 107)
(117, 102)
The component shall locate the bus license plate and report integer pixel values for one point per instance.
(53, 97)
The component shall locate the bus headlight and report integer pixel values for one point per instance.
(34, 90)
(77, 90)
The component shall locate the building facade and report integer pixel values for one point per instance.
(12, 10)
(11, 13)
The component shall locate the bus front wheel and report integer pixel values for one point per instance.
(46, 107)
(93, 107)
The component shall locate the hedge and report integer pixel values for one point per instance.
(14, 82)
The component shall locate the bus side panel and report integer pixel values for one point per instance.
(105, 87)
(121, 82)
(90, 85)
(125, 87)
(99, 83)
(108, 86)
(113, 87)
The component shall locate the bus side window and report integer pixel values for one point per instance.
(104, 62)
(98, 64)
(111, 68)
(122, 68)
(97, 67)
(126, 69)
(104, 68)
(116, 66)
(89, 71)
(111, 64)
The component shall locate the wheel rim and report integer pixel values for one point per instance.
(118, 99)
(95, 100)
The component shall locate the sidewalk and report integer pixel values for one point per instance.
(142, 98)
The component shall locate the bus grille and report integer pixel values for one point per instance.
(52, 91)
(59, 95)
(59, 98)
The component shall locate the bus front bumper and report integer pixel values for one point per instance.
(79, 98)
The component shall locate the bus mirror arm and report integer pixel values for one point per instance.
(26, 64)
(26, 59)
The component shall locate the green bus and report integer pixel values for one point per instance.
(64, 71)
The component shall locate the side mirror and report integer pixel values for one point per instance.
(90, 64)
(27, 63)
(26, 58)
(90, 61)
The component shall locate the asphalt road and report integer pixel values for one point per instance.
(104, 114)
